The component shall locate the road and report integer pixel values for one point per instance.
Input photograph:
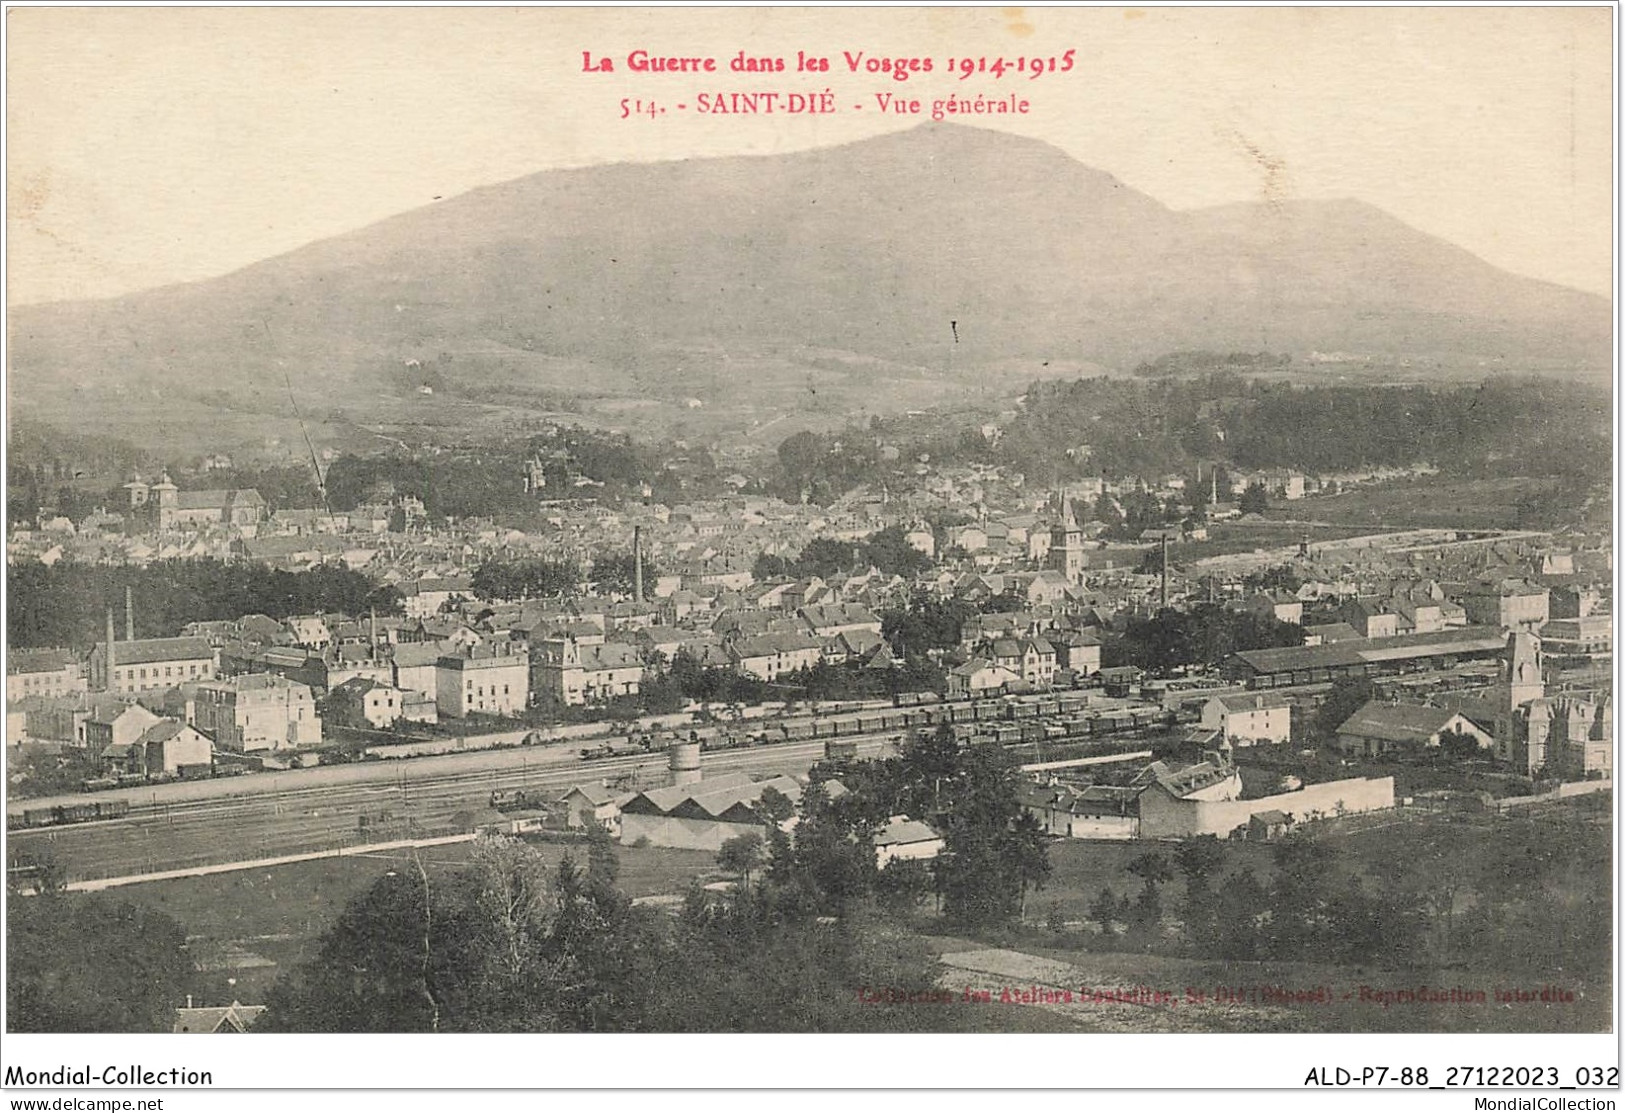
(302, 814)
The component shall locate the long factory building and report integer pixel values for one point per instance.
(1315, 664)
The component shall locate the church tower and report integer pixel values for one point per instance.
(1523, 717)
(166, 495)
(1066, 552)
(1521, 679)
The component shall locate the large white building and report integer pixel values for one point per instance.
(483, 680)
(260, 711)
(1248, 719)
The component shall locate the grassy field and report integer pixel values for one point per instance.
(1557, 858)
(252, 923)
(1432, 502)
(1245, 996)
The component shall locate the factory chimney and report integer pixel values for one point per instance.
(129, 613)
(1164, 569)
(637, 563)
(107, 677)
(373, 630)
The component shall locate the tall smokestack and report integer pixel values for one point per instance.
(373, 611)
(1165, 569)
(637, 563)
(129, 613)
(107, 680)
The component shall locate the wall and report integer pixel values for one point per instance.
(1103, 827)
(908, 852)
(1162, 816)
(684, 834)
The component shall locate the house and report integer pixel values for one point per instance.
(168, 747)
(1032, 659)
(829, 619)
(116, 725)
(769, 656)
(1277, 605)
(591, 805)
(1329, 633)
(483, 680)
(260, 711)
(310, 631)
(235, 1017)
(1418, 616)
(574, 675)
(1268, 826)
(1573, 601)
(412, 665)
(1077, 650)
(425, 597)
(979, 676)
(1091, 812)
(1249, 719)
(1370, 619)
(906, 840)
(43, 672)
(1045, 589)
(1578, 638)
(419, 707)
(364, 703)
(1509, 604)
(1381, 728)
(146, 664)
(862, 646)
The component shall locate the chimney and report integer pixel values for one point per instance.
(373, 629)
(637, 563)
(129, 613)
(107, 680)
(1165, 569)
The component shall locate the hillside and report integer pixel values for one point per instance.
(878, 275)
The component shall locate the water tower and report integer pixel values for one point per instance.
(685, 762)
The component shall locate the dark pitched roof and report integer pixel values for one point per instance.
(145, 651)
(38, 660)
(1397, 722)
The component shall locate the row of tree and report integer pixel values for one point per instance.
(66, 603)
(887, 550)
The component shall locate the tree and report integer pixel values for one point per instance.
(87, 963)
(1254, 500)
(1198, 859)
(743, 854)
(774, 807)
(1154, 870)
(1104, 912)
(1346, 697)
(904, 884)
(616, 574)
(1459, 745)
(1029, 858)
(889, 550)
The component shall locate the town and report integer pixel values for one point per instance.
(704, 676)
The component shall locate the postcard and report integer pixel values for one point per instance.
(857, 526)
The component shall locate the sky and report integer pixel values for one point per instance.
(160, 145)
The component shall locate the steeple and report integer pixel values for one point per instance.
(1521, 679)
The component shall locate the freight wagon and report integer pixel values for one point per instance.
(62, 814)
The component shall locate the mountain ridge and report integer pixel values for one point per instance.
(943, 247)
